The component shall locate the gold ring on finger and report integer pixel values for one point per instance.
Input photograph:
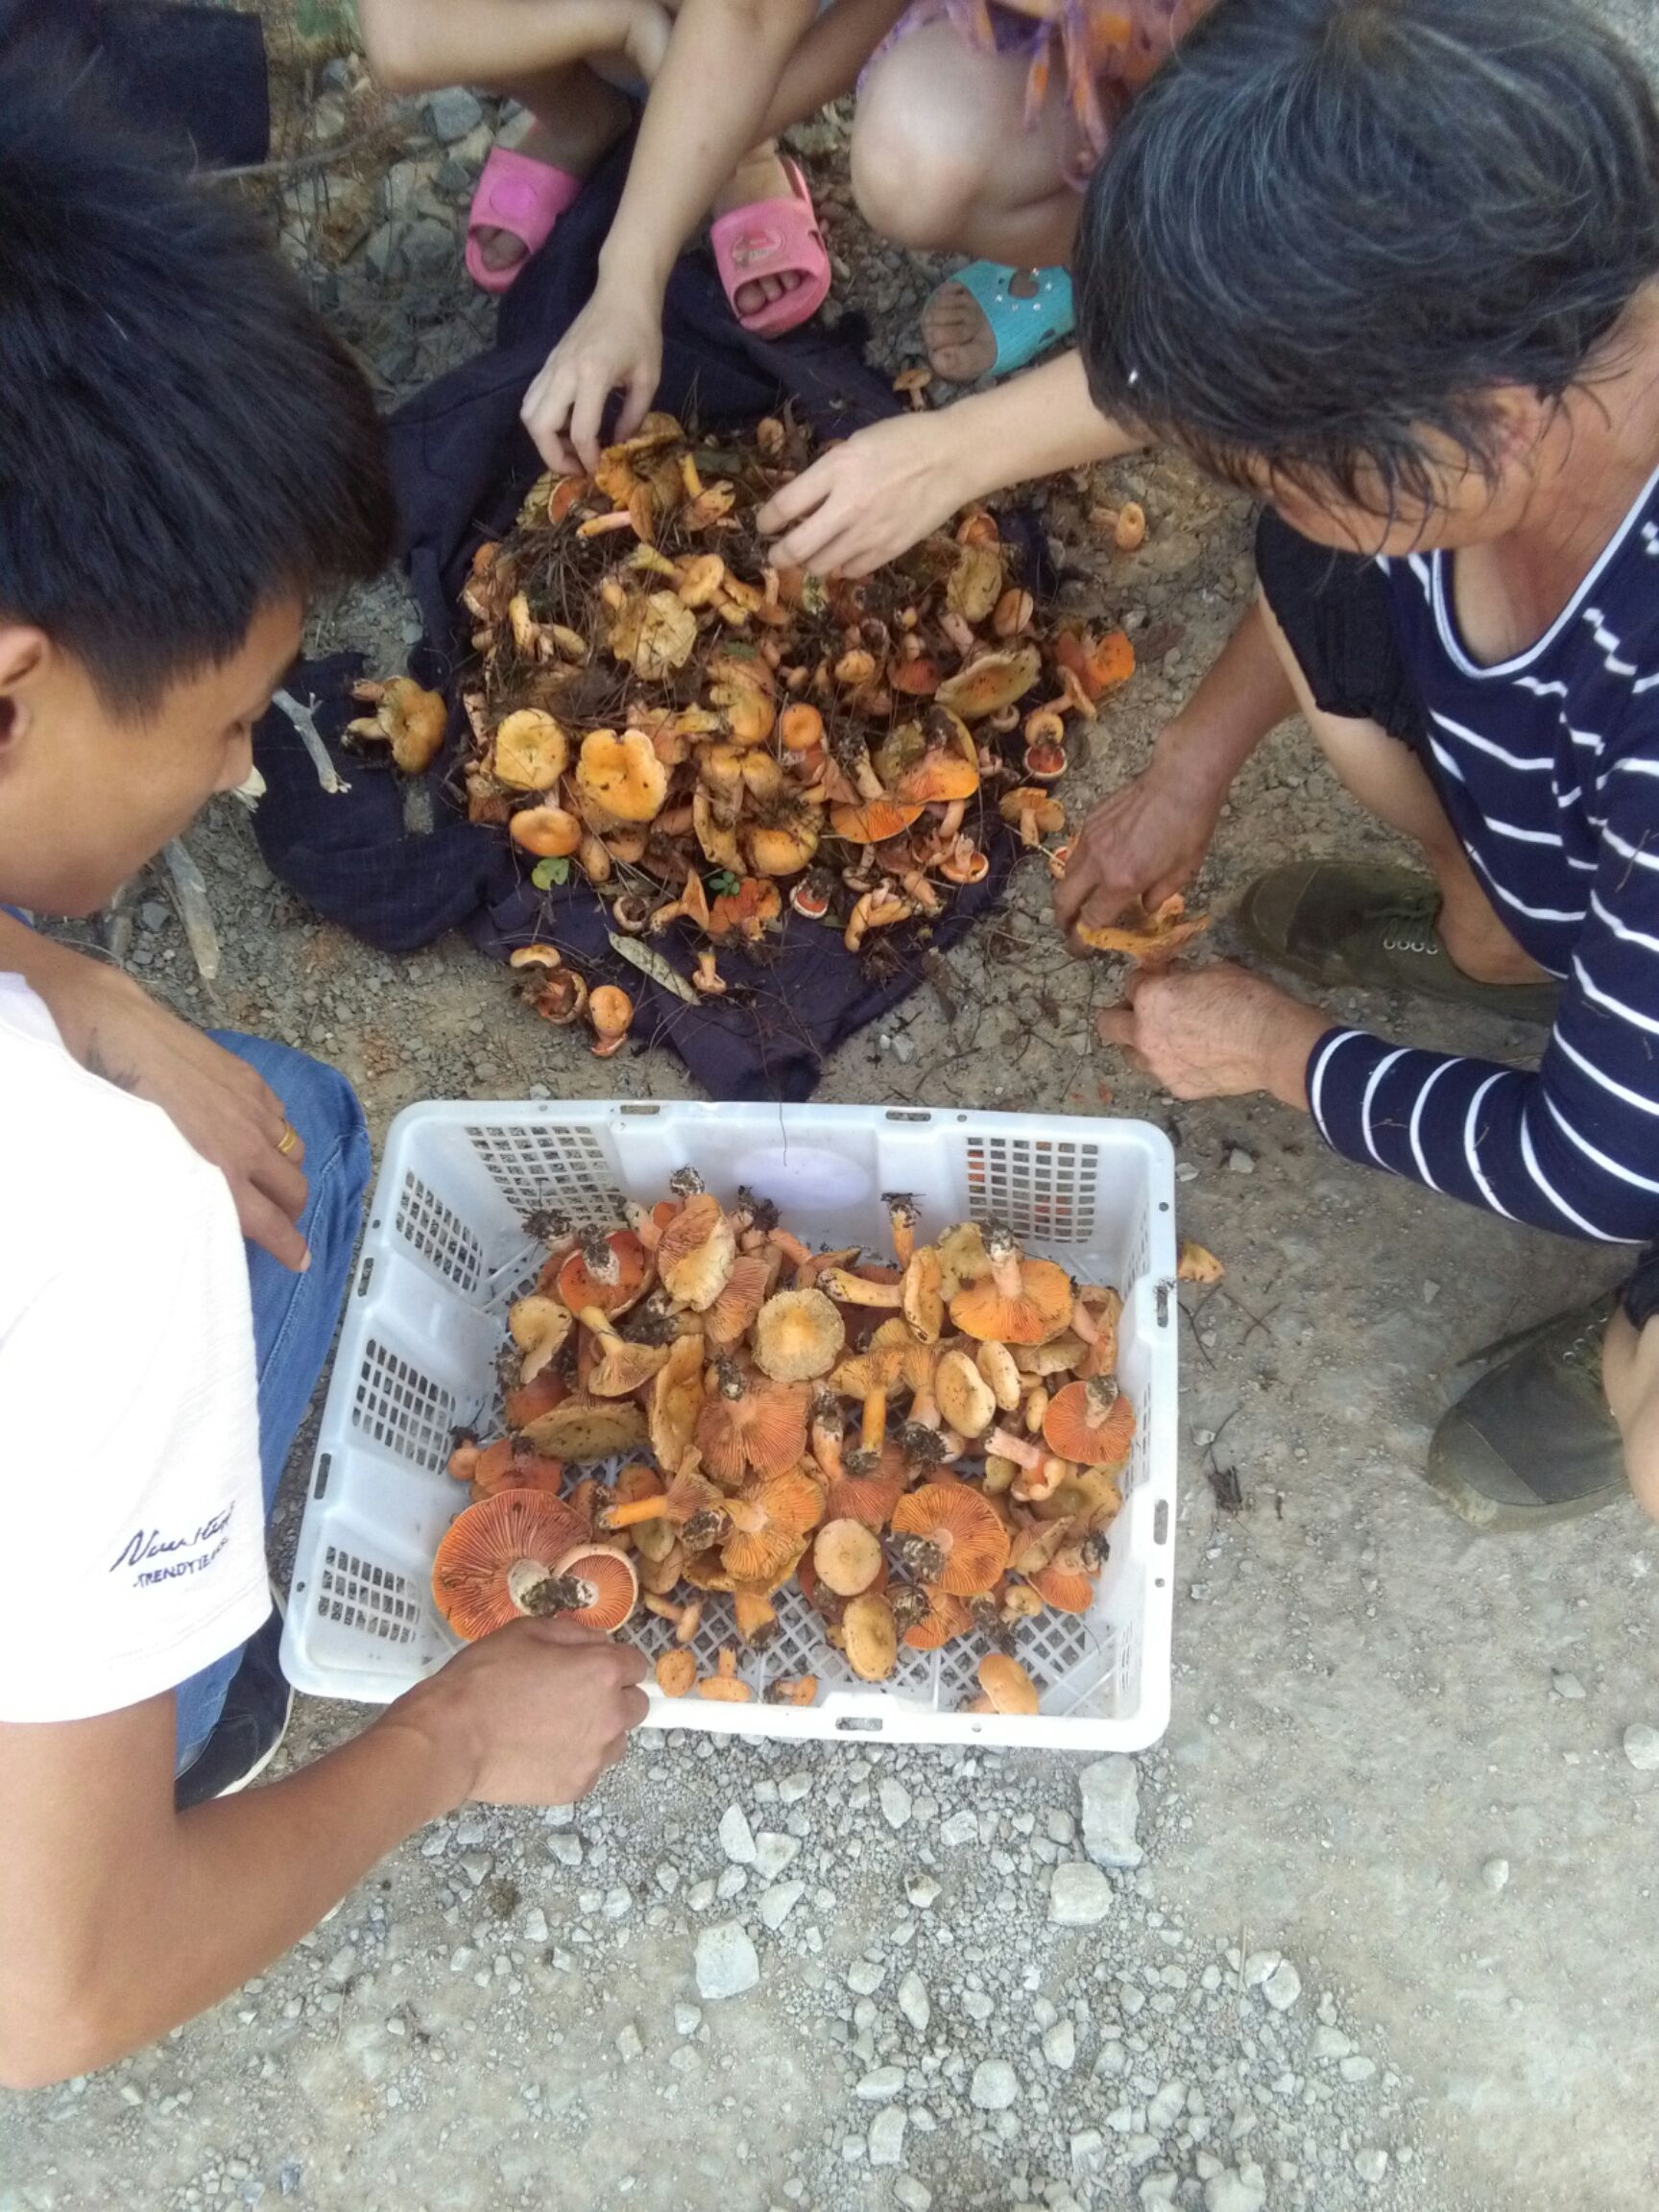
(289, 1139)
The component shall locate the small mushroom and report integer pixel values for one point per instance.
(548, 832)
(964, 1529)
(611, 1012)
(1091, 1423)
(539, 1326)
(697, 1253)
(677, 1671)
(494, 1556)
(996, 1363)
(622, 1366)
(799, 1335)
(847, 1558)
(409, 720)
(810, 896)
(595, 1585)
(531, 751)
(792, 1690)
(1031, 812)
(705, 977)
(585, 1429)
(1005, 1685)
(619, 778)
(877, 909)
(870, 1637)
(723, 1686)
(560, 996)
(1020, 1301)
(911, 383)
(966, 1399)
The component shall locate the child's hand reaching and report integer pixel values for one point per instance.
(615, 345)
(870, 499)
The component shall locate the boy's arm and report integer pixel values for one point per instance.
(709, 104)
(115, 1027)
(119, 1919)
(870, 499)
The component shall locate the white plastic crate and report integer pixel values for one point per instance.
(446, 1251)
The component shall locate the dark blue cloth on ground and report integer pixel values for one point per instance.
(461, 462)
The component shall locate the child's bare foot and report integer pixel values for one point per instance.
(573, 128)
(956, 333)
(760, 175)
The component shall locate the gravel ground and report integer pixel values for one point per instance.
(1371, 1949)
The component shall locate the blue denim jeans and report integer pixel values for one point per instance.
(293, 1315)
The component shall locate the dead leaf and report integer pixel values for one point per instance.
(652, 963)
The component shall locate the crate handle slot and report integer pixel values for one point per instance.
(907, 1113)
(365, 1276)
(1161, 1522)
(1163, 1304)
(650, 1108)
(861, 1724)
(319, 1483)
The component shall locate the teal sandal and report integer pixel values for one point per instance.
(1022, 328)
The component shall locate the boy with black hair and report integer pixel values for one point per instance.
(185, 455)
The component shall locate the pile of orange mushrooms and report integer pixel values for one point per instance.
(927, 1447)
(716, 744)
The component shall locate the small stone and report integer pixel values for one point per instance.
(629, 2043)
(1166, 2107)
(1241, 1162)
(1111, 1790)
(476, 1864)
(962, 1828)
(342, 1966)
(1257, 1966)
(453, 113)
(1495, 1874)
(995, 2085)
(922, 1893)
(1060, 2046)
(1371, 2163)
(1283, 1986)
(1079, 1895)
(688, 2018)
(1329, 2043)
(1358, 2067)
(773, 1853)
(736, 1836)
(895, 1802)
(864, 1977)
(535, 1925)
(779, 1902)
(912, 2194)
(726, 1964)
(882, 2085)
(978, 2005)
(1566, 1685)
(1236, 2189)
(153, 914)
(733, 1882)
(914, 2001)
(886, 2139)
(1642, 1746)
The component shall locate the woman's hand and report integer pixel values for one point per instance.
(870, 499)
(615, 345)
(1216, 1033)
(1144, 841)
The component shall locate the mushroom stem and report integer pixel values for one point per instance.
(872, 1423)
(1020, 1449)
(632, 1513)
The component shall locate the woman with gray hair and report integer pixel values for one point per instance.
(1394, 266)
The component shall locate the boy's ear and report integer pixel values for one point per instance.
(25, 661)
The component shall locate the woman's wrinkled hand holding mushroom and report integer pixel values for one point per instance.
(531, 1714)
(1144, 841)
(1216, 1033)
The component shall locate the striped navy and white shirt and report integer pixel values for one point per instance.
(1549, 766)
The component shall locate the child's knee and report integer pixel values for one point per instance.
(911, 185)
(394, 44)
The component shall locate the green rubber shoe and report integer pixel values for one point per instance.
(1533, 1441)
(1344, 924)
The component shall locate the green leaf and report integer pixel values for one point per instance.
(548, 873)
(724, 883)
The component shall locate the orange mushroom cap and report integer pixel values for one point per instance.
(531, 751)
(799, 1335)
(621, 777)
(697, 1253)
(605, 1586)
(1020, 1301)
(603, 1272)
(963, 1528)
(870, 1637)
(1091, 1423)
(1007, 1687)
(494, 1555)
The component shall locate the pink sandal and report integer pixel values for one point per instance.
(773, 238)
(524, 197)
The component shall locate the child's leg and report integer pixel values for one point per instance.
(943, 160)
(1630, 1377)
(537, 52)
(293, 1315)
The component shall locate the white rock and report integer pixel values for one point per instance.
(1079, 1895)
(1642, 1746)
(1111, 1790)
(688, 2018)
(736, 1836)
(1160, 2188)
(1257, 1966)
(733, 1882)
(779, 1901)
(914, 2001)
(1236, 2189)
(726, 1964)
(961, 1828)
(1241, 1162)
(773, 1853)
(911, 2194)
(864, 1977)
(1283, 1986)
(1566, 1685)
(1358, 2067)
(535, 1925)
(995, 2085)
(922, 1893)
(1495, 1874)
(629, 2042)
(1371, 2163)
(888, 2137)
(895, 1802)
(1329, 2043)
(1166, 2107)
(978, 2005)
(1060, 2046)
(1088, 2152)
(882, 2085)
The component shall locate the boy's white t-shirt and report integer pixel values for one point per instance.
(131, 1523)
